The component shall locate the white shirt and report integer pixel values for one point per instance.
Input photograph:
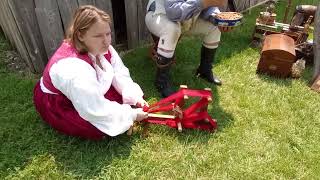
(85, 87)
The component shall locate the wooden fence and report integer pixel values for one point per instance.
(36, 27)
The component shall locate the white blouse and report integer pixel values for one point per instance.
(85, 87)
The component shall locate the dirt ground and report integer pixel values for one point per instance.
(16, 64)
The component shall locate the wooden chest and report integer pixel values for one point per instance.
(277, 55)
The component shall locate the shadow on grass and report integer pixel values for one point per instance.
(25, 137)
(275, 80)
(224, 120)
(308, 75)
(306, 78)
(79, 157)
(182, 73)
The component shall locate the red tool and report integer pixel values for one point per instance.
(173, 113)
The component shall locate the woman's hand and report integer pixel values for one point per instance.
(141, 103)
(141, 115)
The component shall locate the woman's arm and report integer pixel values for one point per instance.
(77, 80)
(122, 81)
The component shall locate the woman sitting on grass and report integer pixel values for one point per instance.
(86, 90)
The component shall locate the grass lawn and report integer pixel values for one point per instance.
(268, 128)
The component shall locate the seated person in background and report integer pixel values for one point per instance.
(167, 20)
(86, 90)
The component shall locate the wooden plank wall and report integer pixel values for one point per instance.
(67, 8)
(48, 16)
(137, 32)
(4, 21)
(132, 21)
(28, 27)
(142, 10)
(37, 27)
(12, 32)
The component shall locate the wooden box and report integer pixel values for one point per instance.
(277, 55)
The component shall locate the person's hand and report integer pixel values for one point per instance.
(221, 28)
(141, 103)
(141, 115)
(225, 28)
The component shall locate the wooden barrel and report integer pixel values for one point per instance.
(277, 55)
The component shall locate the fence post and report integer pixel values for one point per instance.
(132, 23)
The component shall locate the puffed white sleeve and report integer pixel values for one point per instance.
(77, 80)
(131, 92)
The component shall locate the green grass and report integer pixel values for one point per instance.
(268, 128)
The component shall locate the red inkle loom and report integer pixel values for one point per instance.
(170, 111)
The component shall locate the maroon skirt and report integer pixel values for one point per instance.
(59, 113)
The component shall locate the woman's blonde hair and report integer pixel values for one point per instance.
(83, 18)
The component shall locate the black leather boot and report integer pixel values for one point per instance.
(162, 81)
(205, 68)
